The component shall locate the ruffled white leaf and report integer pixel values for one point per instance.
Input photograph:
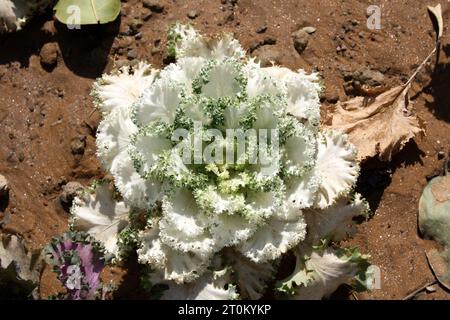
(274, 238)
(336, 222)
(228, 230)
(189, 43)
(113, 137)
(300, 151)
(148, 149)
(216, 203)
(138, 192)
(222, 81)
(233, 115)
(211, 286)
(259, 81)
(301, 192)
(325, 272)
(159, 102)
(193, 109)
(226, 47)
(184, 71)
(302, 92)
(123, 88)
(261, 205)
(100, 215)
(183, 227)
(174, 265)
(336, 167)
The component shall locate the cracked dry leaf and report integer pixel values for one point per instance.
(381, 126)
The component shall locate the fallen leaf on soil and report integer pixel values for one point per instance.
(20, 270)
(381, 126)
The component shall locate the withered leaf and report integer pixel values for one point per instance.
(381, 126)
(437, 20)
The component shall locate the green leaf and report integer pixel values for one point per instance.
(82, 12)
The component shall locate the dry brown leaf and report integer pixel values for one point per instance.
(436, 18)
(381, 126)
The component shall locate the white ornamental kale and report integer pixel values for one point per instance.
(213, 227)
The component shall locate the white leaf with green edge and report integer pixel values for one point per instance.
(318, 274)
(82, 12)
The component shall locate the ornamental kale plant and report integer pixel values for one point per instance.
(221, 168)
(78, 262)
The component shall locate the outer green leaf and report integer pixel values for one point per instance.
(82, 12)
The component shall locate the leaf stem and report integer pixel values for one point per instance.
(420, 67)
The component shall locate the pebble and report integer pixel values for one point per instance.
(192, 14)
(309, 30)
(331, 97)
(146, 14)
(431, 289)
(135, 25)
(132, 54)
(70, 191)
(261, 29)
(78, 145)
(153, 5)
(369, 77)
(4, 186)
(267, 56)
(341, 48)
(301, 39)
(49, 55)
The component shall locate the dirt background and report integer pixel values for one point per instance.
(46, 112)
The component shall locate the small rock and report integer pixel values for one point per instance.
(369, 77)
(301, 39)
(254, 46)
(153, 5)
(4, 186)
(49, 27)
(441, 155)
(49, 55)
(267, 56)
(341, 48)
(261, 29)
(69, 192)
(309, 30)
(146, 14)
(331, 96)
(269, 41)
(132, 54)
(135, 25)
(192, 14)
(78, 145)
(155, 51)
(431, 289)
